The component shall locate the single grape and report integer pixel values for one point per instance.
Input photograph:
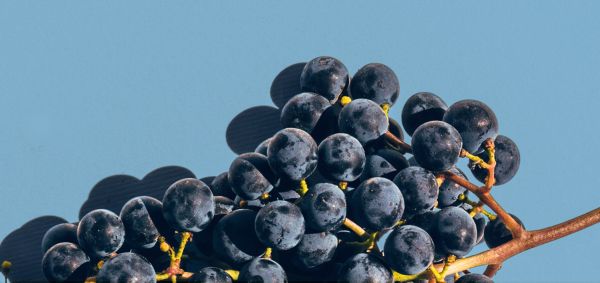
(456, 232)
(436, 146)
(126, 267)
(64, 232)
(250, 176)
(100, 233)
(63, 262)
(188, 205)
(280, 225)
(262, 270)
(480, 223)
(497, 234)
(507, 158)
(384, 163)
(475, 122)
(420, 108)
(341, 158)
(292, 154)
(364, 120)
(323, 207)
(211, 275)
(426, 221)
(377, 204)
(314, 250)
(325, 76)
(409, 249)
(233, 239)
(419, 189)
(220, 186)
(303, 111)
(138, 216)
(327, 124)
(376, 82)
(474, 278)
(365, 268)
(450, 191)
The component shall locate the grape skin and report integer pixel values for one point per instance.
(188, 205)
(341, 158)
(508, 159)
(323, 207)
(100, 233)
(64, 232)
(303, 111)
(436, 146)
(262, 270)
(364, 120)
(450, 191)
(365, 268)
(375, 82)
(496, 232)
(250, 176)
(420, 108)
(231, 240)
(292, 154)
(419, 189)
(279, 225)
(474, 278)
(138, 216)
(455, 232)
(211, 275)
(62, 260)
(126, 267)
(384, 163)
(326, 76)
(314, 250)
(220, 186)
(377, 204)
(475, 122)
(409, 249)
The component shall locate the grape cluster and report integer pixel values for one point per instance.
(315, 200)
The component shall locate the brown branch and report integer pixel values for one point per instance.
(528, 240)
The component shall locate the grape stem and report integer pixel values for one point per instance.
(402, 145)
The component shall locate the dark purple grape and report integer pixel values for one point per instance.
(323, 207)
(279, 225)
(292, 154)
(365, 268)
(138, 216)
(64, 232)
(100, 233)
(203, 239)
(475, 122)
(126, 267)
(436, 146)
(263, 270)
(419, 189)
(480, 223)
(341, 158)
(384, 163)
(303, 111)
(425, 220)
(456, 232)
(211, 275)
(62, 261)
(497, 234)
(474, 278)
(220, 186)
(377, 204)
(450, 191)
(262, 147)
(395, 128)
(409, 249)
(233, 239)
(327, 124)
(364, 120)
(313, 250)
(507, 158)
(376, 82)
(250, 176)
(325, 76)
(420, 108)
(188, 205)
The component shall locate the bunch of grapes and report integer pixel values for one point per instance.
(335, 195)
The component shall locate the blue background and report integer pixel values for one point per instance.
(91, 89)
